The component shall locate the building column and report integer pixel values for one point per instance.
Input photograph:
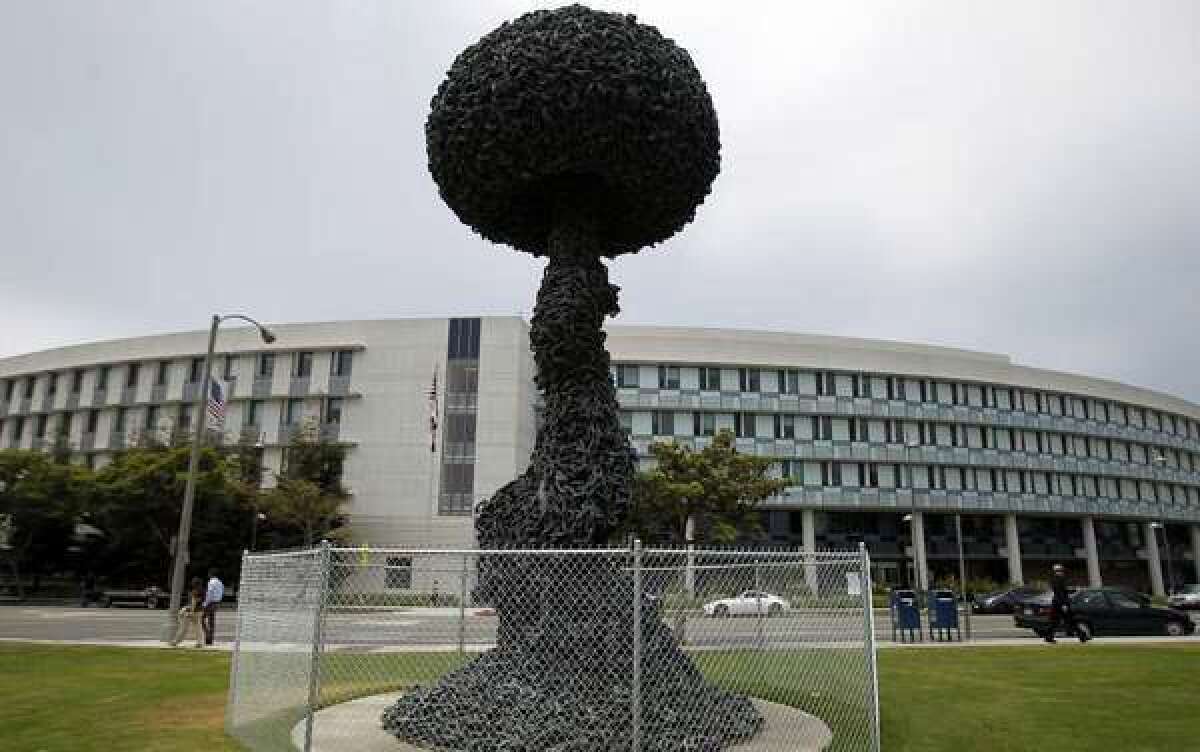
(808, 521)
(1150, 536)
(1012, 542)
(918, 539)
(1089, 548)
(1196, 550)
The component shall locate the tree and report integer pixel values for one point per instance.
(718, 488)
(305, 505)
(138, 506)
(41, 500)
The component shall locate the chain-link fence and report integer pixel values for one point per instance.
(629, 650)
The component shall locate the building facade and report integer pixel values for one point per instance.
(884, 442)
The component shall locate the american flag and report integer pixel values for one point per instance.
(216, 405)
(433, 413)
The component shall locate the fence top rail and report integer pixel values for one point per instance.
(416, 551)
(306, 552)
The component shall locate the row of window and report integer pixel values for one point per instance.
(830, 383)
(340, 366)
(292, 413)
(916, 434)
(832, 474)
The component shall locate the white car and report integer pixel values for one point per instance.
(1187, 596)
(749, 603)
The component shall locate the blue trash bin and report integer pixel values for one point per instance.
(943, 615)
(906, 616)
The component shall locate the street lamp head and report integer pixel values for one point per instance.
(1156, 525)
(906, 518)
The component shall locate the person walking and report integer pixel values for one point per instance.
(212, 598)
(189, 615)
(1060, 608)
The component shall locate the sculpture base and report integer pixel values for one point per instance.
(355, 726)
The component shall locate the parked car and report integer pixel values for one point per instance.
(150, 597)
(1003, 601)
(1106, 611)
(749, 603)
(1186, 597)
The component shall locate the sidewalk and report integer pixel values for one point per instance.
(224, 647)
(881, 644)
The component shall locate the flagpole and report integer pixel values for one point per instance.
(433, 427)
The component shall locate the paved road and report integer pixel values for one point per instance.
(440, 627)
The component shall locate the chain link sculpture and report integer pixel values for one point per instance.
(576, 135)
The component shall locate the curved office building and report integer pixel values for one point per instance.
(883, 442)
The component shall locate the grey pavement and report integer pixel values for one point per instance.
(418, 628)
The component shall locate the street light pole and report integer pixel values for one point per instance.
(962, 572)
(1160, 460)
(200, 425)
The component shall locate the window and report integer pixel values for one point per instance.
(861, 385)
(152, 418)
(822, 427)
(30, 383)
(397, 573)
(785, 426)
(343, 361)
(293, 411)
(119, 425)
(93, 420)
(52, 385)
(710, 379)
(185, 417)
(302, 365)
(749, 379)
(662, 423)
(230, 372)
(333, 410)
(163, 372)
(266, 366)
(791, 470)
(704, 424)
(18, 430)
(195, 371)
(831, 474)
(789, 381)
(253, 413)
(1121, 600)
(8, 390)
(668, 377)
(744, 425)
(39, 427)
(826, 384)
(627, 376)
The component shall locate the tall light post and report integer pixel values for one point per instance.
(910, 518)
(179, 569)
(1159, 461)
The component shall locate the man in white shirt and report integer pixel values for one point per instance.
(212, 599)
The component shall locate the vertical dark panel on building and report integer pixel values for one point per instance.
(456, 495)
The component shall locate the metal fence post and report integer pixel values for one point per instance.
(462, 605)
(868, 588)
(324, 564)
(636, 741)
(231, 702)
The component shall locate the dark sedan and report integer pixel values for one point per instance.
(1003, 601)
(1107, 611)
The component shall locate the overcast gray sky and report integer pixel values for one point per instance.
(1010, 176)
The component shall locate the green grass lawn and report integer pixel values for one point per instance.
(1080, 698)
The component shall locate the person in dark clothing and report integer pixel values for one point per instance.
(1060, 607)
